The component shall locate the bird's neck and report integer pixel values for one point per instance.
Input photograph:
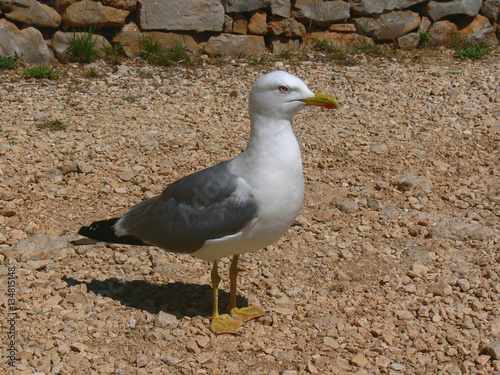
(273, 140)
(266, 131)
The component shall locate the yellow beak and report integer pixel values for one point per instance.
(321, 100)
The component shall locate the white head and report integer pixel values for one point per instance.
(280, 95)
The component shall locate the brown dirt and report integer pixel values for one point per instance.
(392, 266)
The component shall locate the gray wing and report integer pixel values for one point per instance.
(192, 210)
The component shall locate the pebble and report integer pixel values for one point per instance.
(193, 347)
(171, 360)
(331, 342)
(166, 320)
(78, 347)
(127, 175)
(493, 350)
(411, 180)
(359, 360)
(379, 148)
(440, 289)
(463, 284)
(382, 361)
(347, 206)
(397, 366)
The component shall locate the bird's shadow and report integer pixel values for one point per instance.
(177, 298)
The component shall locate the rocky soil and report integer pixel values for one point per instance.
(392, 267)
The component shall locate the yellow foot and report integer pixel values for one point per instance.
(248, 313)
(225, 324)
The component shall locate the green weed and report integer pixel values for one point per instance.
(82, 47)
(153, 52)
(423, 39)
(468, 50)
(41, 71)
(285, 55)
(178, 54)
(8, 62)
(369, 49)
(258, 60)
(324, 45)
(115, 53)
(92, 73)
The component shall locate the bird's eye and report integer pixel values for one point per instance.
(283, 89)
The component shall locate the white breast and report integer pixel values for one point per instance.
(272, 171)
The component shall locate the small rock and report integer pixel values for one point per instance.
(359, 360)
(38, 264)
(424, 25)
(397, 366)
(440, 289)
(496, 365)
(405, 315)
(165, 320)
(409, 41)
(373, 204)
(492, 349)
(76, 297)
(468, 323)
(131, 323)
(68, 168)
(495, 327)
(233, 368)
(141, 360)
(171, 360)
(381, 148)
(382, 361)
(410, 180)
(331, 342)
(347, 205)
(78, 347)
(324, 216)
(418, 270)
(193, 347)
(203, 341)
(463, 284)
(8, 212)
(205, 357)
(482, 359)
(84, 167)
(127, 175)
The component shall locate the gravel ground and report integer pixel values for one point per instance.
(392, 266)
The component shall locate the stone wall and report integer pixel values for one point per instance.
(39, 31)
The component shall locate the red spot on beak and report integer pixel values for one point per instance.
(329, 106)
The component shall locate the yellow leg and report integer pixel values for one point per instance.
(244, 313)
(220, 324)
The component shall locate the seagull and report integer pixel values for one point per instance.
(235, 207)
